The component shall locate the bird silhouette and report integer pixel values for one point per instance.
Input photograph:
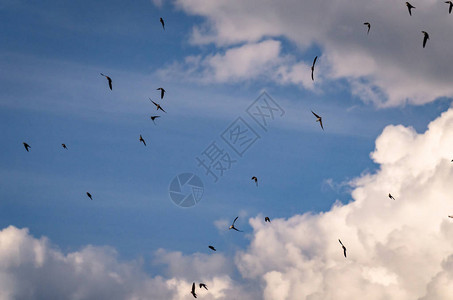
(391, 197)
(313, 68)
(450, 216)
(163, 26)
(266, 219)
(109, 80)
(318, 119)
(142, 140)
(162, 92)
(212, 248)
(369, 26)
(27, 146)
(451, 6)
(153, 118)
(425, 38)
(64, 146)
(89, 196)
(256, 180)
(193, 290)
(344, 248)
(158, 106)
(410, 7)
(202, 285)
(232, 225)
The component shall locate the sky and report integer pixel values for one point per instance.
(385, 103)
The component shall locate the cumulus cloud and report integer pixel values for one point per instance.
(388, 67)
(32, 268)
(397, 249)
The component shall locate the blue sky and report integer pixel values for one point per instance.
(51, 92)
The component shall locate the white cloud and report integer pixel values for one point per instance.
(388, 67)
(32, 268)
(253, 61)
(157, 3)
(397, 249)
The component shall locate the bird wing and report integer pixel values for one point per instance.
(424, 40)
(235, 220)
(110, 82)
(451, 6)
(160, 107)
(344, 251)
(193, 287)
(320, 123)
(341, 243)
(315, 114)
(162, 93)
(312, 70)
(314, 61)
(154, 102)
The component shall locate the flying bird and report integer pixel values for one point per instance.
(109, 80)
(318, 119)
(451, 6)
(193, 284)
(255, 179)
(232, 226)
(153, 118)
(212, 248)
(142, 140)
(163, 26)
(369, 26)
(409, 7)
(391, 197)
(203, 285)
(266, 219)
(344, 248)
(313, 68)
(89, 196)
(27, 146)
(450, 216)
(64, 146)
(158, 106)
(425, 38)
(162, 92)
